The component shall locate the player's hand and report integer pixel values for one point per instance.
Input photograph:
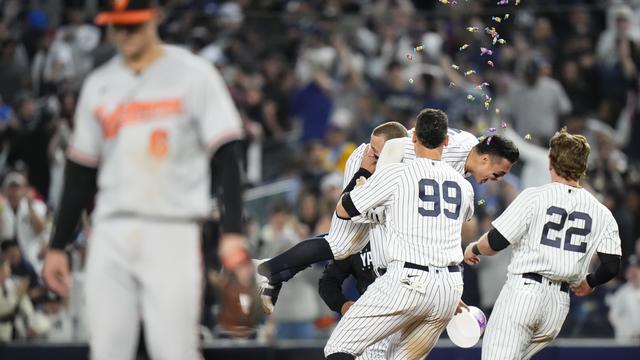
(583, 289)
(469, 257)
(345, 307)
(55, 272)
(369, 160)
(461, 305)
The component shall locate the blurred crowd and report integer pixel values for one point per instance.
(311, 80)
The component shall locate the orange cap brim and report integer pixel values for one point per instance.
(125, 17)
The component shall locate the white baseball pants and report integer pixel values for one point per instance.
(149, 271)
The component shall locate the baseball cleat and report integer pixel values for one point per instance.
(268, 293)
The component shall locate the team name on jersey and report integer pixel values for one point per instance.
(135, 112)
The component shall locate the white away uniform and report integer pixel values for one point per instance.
(426, 203)
(152, 135)
(555, 230)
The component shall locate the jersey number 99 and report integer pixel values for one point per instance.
(558, 226)
(433, 196)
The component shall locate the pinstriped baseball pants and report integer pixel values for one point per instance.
(527, 316)
(416, 303)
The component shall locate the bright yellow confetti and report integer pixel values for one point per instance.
(410, 80)
(527, 137)
(472, 29)
(481, 202)
(455, 67)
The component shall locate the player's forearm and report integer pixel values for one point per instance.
(331, 293)
(607, 270)
(345, 208)
(352, 183)
(482, 247)
(79, 188)
(225, 169)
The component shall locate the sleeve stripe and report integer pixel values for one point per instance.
(82, 158)
(223, 138)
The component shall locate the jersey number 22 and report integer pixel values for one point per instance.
(558, 226)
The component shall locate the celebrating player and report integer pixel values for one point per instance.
(426, 203)
(555, 229)
(157, 121)
(487, 160)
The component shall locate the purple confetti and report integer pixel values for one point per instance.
(489, 140)
(492, 129)
(485, 51)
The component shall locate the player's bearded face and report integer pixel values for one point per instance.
(492, 169)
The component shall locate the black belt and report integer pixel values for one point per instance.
(537, 277)
(408, 265)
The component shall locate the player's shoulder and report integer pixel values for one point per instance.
(187, 60)
(103, 73)
(462, 138)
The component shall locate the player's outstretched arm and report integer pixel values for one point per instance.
(330, 285)
(79, 189)
(489, 244)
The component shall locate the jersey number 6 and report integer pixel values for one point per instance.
(558, 226)
(159, 144)
(433, 196)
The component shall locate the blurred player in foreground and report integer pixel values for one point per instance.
(157, 122)
(555, 230)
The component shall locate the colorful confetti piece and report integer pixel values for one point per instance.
(409, 57)
(464, 47)
(496, 19)
(484, 51)
(491, 31)
(470, 97)
(494, 41)
(503, 2)
(418, 48)
(497, 111)
(517, 2)
(452, 84)
(502, 41)
(506, 16)
(481, 202)
(490, 63)
(487, 104)
(455, 67)
(503, 125)
(492, 129)
(410, 80)
(472, 29)
(481, 138)
(469, 72)
(489, 140)
(527, 137)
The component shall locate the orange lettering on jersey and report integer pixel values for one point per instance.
(135, 112)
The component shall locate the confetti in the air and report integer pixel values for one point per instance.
(485, 51)
(486, 97)
(487, 104)
(481, 202)
(409, 57)
(490, 63)
(410, 80)
(503, 125)
(497, 111)
(502, 41)
(517, 2)
(496, 19)
(481, 138)
(472, 29)
(455, 67)
(479, 87)
(503, 2)
(494, 41)
(469, 72)
(492, 129)
(452, 84)
(454, 2)
(470, 97)
(527, 137)
(506, 16)
(418, 48)
(464, 47)
(489, 140)
(491, 31)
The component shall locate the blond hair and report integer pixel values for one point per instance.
(569, 154)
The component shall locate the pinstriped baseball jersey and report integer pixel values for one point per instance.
(152, 134)
(426, 202)
(455, 154)
(555, 230)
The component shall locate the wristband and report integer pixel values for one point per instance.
(475, 250)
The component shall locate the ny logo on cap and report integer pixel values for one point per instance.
(120, 5)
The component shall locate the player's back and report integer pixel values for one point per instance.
(425, 217)
(562, 228)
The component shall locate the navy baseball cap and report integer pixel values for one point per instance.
(127, 12)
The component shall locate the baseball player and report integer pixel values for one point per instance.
(151, 126)
(487, 160)
(555, 229)
(426, 203)
(361, 267)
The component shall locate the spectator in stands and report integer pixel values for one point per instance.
(21, 268)
(624, 305)
(24, 218)
(16, 310)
